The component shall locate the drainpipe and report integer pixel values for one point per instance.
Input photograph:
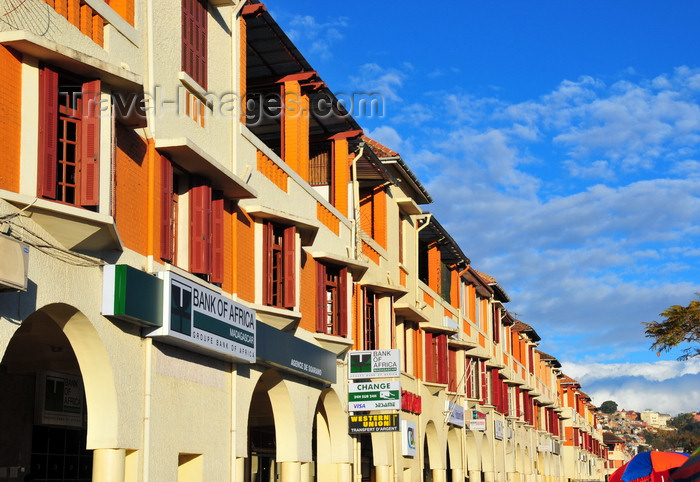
(356, 202)
(427, 217)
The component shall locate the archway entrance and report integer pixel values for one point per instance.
(262, 446)
(44, 409)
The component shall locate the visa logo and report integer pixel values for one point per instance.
(358, 406)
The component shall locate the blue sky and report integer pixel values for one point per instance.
(561, 144)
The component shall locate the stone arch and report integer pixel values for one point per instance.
(471, 447)
(331, 429)
(454, 446)
(432, 440)
(95, 369)
(286, 439)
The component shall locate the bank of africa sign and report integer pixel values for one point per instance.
(203, 320)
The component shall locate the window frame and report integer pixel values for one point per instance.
(283, 275)
(339, 288)
(194, 56)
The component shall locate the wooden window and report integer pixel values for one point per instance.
(69, 139)
(167, 211)
(436, 357)
(496, 319)
(452, 384)
(279, 248)
(472, 377)
(206, 241)
(369, 334)
(320, 165)
(331, 300)
(194, 40)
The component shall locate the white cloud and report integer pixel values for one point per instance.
(385, 81)
(387, 136)
(316, 37)
(658, 371)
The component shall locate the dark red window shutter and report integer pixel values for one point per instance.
(166, 209)
(289, 247)
(217, 238)
(495, 389)
(268, 228)
(194, 40)
(90, 144)
(321, 309)
(484, 382)
(441, 341)
(429, 357)
(200, 245)
(517, 401)
(452, 370)
(343, 301)
(48, 133)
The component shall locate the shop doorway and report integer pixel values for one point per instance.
(44, 412)
(262, 447)
(366, 458)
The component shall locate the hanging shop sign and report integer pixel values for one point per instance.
(295, 355)
(374, 364)
(374, 396)
(478, 421)
(455, 413)
(408, 439)
(60, 399)
(388, 422)
(498, 429)
(202, 320)
(131, 295)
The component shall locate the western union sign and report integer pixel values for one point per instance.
(374, 396)
(374, 423)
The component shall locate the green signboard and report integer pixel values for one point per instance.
(374, 396)
(374, 364)
(131, 295)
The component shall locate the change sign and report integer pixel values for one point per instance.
(374, 396)
(374, 364)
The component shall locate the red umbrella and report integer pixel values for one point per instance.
(648, 466)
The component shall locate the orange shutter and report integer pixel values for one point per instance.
(90, 144)
(48, 133)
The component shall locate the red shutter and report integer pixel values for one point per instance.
(442, 358)
(48, 133)
(90, 144)
(289, 266)
(194, 40)
(267, 262)
(452, 370)
(200, 207)
(343, 301)
(166, 209)
(517, 401)
(429, 357)
(320, 298)
(217, 238)
(484, 382)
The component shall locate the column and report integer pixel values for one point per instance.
(344, 472)
(489, 477)
(474, 476)
(108, 465)
(439, 475)
(239, 469)
(290, 472)
(457, 475)
(383, 473)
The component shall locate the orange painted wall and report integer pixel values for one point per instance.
(229, 247)
(341, 172)
(132, 163)
(244, 242)
(434, 266)
(296, 129)
(10, 118)
(454, 288)
(356, 318)
(307, 302)
(125, 9)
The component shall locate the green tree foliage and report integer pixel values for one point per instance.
(682, 325)
(685, 438)
(608, 407)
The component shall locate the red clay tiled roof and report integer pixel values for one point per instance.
(567, 380)
(379, 149)
(487, 278)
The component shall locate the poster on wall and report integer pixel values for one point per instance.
(454, 413)
(498, 429)
(60, 399)
(202, 320)
(408, 439)
(374, 364)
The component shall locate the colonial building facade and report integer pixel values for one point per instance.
(196, 241)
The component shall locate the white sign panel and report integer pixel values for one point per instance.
(374, 364)
(202, 320)
(455, 413)
(408, 438)
(374, 396)
(498, 429)
(477, 425)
